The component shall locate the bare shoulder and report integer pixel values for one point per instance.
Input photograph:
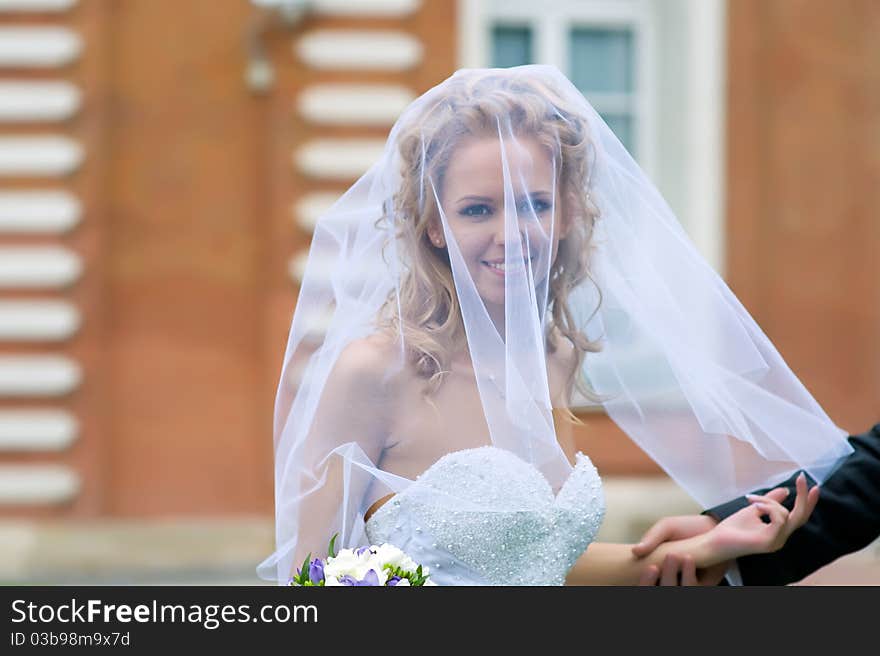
(366, 361)
(354, 396)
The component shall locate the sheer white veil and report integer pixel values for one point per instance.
(503, 261)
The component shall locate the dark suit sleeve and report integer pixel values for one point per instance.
(846, 519)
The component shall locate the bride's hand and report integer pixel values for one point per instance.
(746, 532)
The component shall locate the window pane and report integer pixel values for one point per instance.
(511, 46)
(622, 126)
(602, 59)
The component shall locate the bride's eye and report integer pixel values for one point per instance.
(537, 205)
(477, 209)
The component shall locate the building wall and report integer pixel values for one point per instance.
(53, 228)
(803, 228)
(151, 336)
(176, 279)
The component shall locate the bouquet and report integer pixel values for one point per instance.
(382, 565)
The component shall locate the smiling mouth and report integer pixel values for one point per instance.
(501, 267)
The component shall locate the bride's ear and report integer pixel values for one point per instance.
(435, 234)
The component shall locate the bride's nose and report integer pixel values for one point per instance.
(499, 231)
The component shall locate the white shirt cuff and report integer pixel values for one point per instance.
(733, 575)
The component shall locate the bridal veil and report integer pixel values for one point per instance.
(506, 261)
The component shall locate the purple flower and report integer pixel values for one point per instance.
(316, 571)
(362, 550)
(393, 580)
(370, 578)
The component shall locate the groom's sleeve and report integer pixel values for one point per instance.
(846, 519)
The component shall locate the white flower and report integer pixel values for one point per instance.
(391, 555)
(348, 563)
(345, 562)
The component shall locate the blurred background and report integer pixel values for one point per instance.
(162, 165)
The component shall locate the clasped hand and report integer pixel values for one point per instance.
(707, 547)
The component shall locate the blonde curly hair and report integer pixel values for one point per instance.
(426, 312)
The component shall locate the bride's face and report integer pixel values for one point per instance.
(473, 204)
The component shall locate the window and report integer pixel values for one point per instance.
(511, 46)
(599, 50)
(602, 66)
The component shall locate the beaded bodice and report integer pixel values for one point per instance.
(484, 516)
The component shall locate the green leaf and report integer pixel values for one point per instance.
(304, 570)
(331, 550)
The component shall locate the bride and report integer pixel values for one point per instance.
(505, 260)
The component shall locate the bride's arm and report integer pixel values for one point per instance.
(350, 422)
(606, 563)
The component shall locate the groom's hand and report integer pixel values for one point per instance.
(681, 570)
(677, 569)
(672, 528)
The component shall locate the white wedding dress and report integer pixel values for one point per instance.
(535, 544)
